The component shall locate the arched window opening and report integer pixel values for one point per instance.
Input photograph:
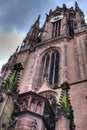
(50, 67)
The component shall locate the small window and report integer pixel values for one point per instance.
(56, 29)
(71, 31)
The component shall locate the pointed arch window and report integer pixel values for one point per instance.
(50, 67)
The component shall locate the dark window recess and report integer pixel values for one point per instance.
(56, 29)
(56, 68)
(86, 48)
(50, 67)
(71, 31)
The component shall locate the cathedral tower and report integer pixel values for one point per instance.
(53, 81)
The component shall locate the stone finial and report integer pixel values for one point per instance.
(64, 7)
(76, 6)
(65, 107)
(50, 11)
(32, 35)
(37, 21)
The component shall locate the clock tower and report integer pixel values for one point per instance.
(52, 90)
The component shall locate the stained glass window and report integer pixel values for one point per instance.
(50, 66)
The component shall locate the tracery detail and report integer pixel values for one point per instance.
(50, 67)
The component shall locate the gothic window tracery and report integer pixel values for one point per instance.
(50, 66)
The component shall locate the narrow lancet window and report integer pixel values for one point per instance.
(71, 31)
(56, 29)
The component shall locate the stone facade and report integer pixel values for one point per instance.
(51, 55)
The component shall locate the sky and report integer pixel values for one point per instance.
(17, 16)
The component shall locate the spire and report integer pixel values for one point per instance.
(65, 107)
(64, 7)
(76, 7)
(32, 35)
(37, 22)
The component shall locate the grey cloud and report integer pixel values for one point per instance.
(13, 14)
(20, 14)
(9, 42)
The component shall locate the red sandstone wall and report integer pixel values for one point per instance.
(78, 99)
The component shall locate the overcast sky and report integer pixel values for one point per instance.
(17, 16)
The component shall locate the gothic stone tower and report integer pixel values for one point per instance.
(52, 55)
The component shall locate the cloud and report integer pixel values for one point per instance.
(8, 44)
(14, 14)
(20, 14)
